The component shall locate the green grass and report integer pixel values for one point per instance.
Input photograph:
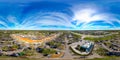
(106, 58)
(17, 58)
(20, 59)
(95, 39)
(78, 53)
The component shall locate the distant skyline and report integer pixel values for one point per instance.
(60, 15)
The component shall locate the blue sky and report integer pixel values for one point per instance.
(60, 15)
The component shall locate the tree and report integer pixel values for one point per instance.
(5, 48)
(48, 51)
(101, 51)
(15, 47)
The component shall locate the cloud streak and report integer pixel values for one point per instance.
(59, 16)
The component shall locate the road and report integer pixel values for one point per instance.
(11, 52)
(67, 50)
(83, 35)
(106, 47)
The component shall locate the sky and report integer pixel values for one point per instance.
(60, 15)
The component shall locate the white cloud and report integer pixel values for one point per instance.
(89, 15)
(12, 19)
(54, 19)
(97, 27)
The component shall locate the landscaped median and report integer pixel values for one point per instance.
(80, 53)
(57, 55)
(82, 48)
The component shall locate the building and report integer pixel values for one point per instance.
(82, 47)
(113, 53)
(87, 46)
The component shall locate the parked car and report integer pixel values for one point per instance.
(15, 55)
(39, 50)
